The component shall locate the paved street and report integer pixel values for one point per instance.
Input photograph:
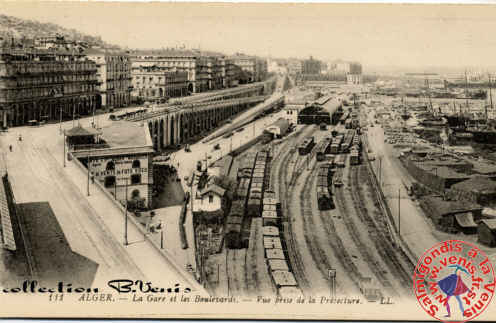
(415, 229)
(93, 225)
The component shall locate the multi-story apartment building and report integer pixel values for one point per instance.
(255, 68)
(152, 82)
(294, 66)
(41, 85)
(206, 71)
(114, 76)
(311, 66)
(185, 61)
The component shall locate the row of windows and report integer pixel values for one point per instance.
(171, 63)
(110, 181)
(51, 67)
(77, 88)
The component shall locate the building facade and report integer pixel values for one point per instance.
(311, 66)
(122, 162)
(255, 67)
(45, 85)
(125, 172)
(152, 82)
(183, 61)
(114, 77)
(294, 66)
(354, 78)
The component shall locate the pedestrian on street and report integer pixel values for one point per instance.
(92, 179)
(10, 147)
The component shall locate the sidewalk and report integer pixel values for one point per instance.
(93, 224)
(415, 229)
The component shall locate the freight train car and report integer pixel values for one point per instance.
(323, 151)
(340, 160)
(324, 199)
(354, 156)
(337, 178)
(306, 146)
(232, 236)
(253, 207)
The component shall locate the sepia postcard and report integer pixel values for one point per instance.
(247, 161)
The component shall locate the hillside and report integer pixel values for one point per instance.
(12, 27)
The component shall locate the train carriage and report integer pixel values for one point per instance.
(232, 236)
(253, 207)
(324, 199)
(323, 151)
(337, 178)
(306, 146)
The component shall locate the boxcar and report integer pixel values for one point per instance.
(253, 207)
(233, 236)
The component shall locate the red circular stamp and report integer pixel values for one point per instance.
(454, 281)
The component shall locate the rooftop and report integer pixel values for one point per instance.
(53, 257)
(214, 189)
(478, 184)
(79, 131)
(490, 223)
(444, 208)
(122, 134)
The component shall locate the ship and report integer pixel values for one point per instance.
(476, 128)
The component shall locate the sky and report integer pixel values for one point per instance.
(416, 36)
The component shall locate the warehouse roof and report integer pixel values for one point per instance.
(445, 208)
(490, 223)
(477, 183)
(126, 134)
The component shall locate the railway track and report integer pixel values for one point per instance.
(360, 210)
(343, 204)
(279, 176)
(235, 265)
(307, 211)
(380, 231)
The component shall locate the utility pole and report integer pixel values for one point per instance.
(162, 239)
(399, 211)
(60, 123)
(332, 282)
(125, 220)
(380, 171)
(94, 116)
(88, 186)
(64, 149)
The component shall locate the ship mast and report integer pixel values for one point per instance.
(490, 95)
(466, 90)
(429, 94)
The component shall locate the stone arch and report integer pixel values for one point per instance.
(181, 128)
(161, 137)
(172, 129)
(155, 135)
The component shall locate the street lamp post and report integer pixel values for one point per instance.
(64, 149)
(332, 282)
(88, 184)
(125, 220)
(60, 123)
(399, 211)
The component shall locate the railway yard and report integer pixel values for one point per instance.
(308, 218)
